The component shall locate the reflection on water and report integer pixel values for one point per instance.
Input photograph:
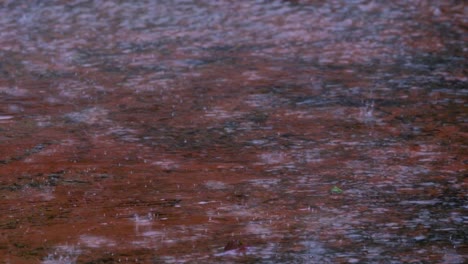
(220, 131)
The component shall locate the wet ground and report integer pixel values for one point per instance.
(233, 131)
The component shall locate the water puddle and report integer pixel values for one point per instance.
(292, 131)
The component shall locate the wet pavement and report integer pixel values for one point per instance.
(233, 131)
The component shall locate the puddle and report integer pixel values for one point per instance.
(284, 132)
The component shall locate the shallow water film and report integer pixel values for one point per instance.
(233, 131)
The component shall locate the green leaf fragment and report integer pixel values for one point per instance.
(336, 190)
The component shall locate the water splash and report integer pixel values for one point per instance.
(63, 254)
